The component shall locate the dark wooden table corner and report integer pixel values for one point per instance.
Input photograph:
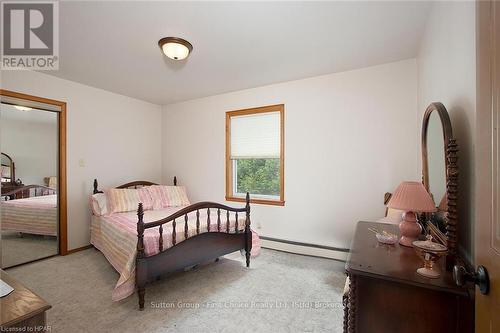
(22, 310)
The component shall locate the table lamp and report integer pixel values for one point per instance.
(411, 197)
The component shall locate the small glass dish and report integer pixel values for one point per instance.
(387, 238)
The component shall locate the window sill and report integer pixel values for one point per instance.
(258, 201)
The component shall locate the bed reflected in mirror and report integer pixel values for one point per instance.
(29, 142)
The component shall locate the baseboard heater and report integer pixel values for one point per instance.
(309, 249)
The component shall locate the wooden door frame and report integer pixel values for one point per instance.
(63, 215)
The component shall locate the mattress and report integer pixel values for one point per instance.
(36, 215)
(115, 236)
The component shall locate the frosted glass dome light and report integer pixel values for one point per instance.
(23, 108)
(175, 48)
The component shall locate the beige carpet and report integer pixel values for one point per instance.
(17, 250)
(281, 292)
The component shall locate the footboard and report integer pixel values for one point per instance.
(28, 191)
(218, 240)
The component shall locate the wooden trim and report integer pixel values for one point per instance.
(63, 207)
(229, 165)
(63, 228)
(32, 98)
(257, 201)
(86, 247)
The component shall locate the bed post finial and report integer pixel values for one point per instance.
(140, 231)
(247, 200)
(95, 187)
(175, 180)
(248, 231)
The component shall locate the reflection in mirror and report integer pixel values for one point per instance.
(436, 160)
(29, 205)
(7, 169)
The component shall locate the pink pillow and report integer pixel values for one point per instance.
(127, 200)
(168, 196)
(145, 198)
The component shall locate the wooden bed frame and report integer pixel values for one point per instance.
(193, 250)
(28, 191)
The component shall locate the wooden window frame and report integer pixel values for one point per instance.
(229, 165)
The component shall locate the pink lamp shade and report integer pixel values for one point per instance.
(412, 196)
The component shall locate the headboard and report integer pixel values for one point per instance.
(134, 184)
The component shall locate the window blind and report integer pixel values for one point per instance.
(255, 136)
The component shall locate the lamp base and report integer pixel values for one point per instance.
(410, 229)
(407, 241)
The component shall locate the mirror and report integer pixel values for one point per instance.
(7, 170)
(440, 174)
(29, 135)
(436, 160)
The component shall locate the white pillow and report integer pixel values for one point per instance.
(394, 216)
(98, 204)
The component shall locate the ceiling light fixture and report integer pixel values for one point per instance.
(175, 48)
(23, 108)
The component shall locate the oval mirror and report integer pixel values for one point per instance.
(437, 137)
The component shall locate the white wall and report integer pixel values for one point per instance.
(447, 74)
(117, 137)
(30, 139)
(349, 137)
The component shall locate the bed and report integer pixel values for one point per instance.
(148, 244)
(33, 211)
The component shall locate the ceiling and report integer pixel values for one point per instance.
(237, 45)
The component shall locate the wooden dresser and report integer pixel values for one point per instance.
(387, 295)
(22, 310)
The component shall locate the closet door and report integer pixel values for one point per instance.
(30, 180)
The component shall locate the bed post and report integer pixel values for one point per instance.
(139, 269)
(175, 180)
(96, 190)
(248, 231)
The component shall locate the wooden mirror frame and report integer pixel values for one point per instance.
(62, 191)
(449, 238)
(12, 169)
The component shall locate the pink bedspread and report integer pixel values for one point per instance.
(116, 237)
(36, 215)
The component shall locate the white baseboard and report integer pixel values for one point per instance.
(304, 249)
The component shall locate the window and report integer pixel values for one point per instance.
(254, 155)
